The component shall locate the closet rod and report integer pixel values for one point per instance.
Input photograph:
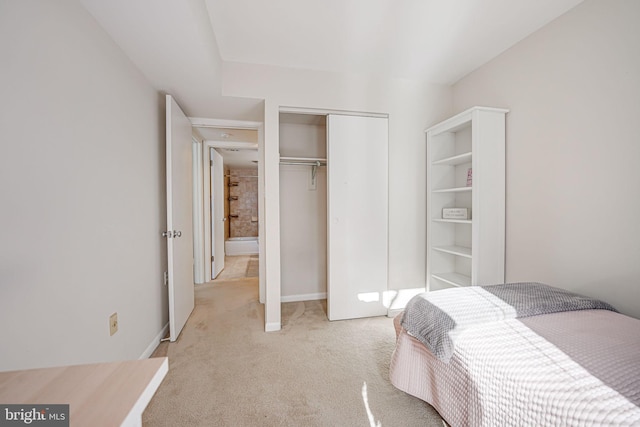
(316, 163)
(303, 159)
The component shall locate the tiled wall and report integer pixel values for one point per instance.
(246, 205)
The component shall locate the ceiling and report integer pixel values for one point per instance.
(238, 147)
(173, 45)
(229, 135)
(436, 40)
(238, 158)
(180, 45)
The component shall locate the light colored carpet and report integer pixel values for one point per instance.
(253, 266)
(224, 370)
(237, 267)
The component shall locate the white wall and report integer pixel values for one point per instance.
(411, 106)
(573, 89)
(303, 215)
(81, 167)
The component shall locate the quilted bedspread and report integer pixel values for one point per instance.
(437, 318)
(570, 368)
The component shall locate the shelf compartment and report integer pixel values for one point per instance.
(454, 160)
(454, 250)
(454, 279)
(453, 190)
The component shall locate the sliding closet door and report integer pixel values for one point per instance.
(357, 164)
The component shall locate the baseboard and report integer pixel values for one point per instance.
(154, 343)
(272, 327)
(304, 297)
(393, 312)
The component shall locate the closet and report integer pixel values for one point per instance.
(334, 211)
(303, 207)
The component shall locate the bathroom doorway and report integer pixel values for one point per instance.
(231, 172)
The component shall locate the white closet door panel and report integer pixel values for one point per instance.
(357, 151)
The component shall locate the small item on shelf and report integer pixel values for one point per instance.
(455, 213)
(469, 177)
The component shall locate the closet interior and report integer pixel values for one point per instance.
(303, 207)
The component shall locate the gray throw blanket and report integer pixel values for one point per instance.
(437, 318)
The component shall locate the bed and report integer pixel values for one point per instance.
(519, 354)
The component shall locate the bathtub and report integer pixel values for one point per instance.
(241, 246)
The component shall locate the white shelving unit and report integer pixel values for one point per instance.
(466, 252)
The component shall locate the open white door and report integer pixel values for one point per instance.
(217, 213)
(179, 218)
(357, 163)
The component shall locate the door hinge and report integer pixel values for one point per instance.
(212, 258)
(210, 162)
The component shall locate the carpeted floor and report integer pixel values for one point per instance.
(239, 267)
(224, 370)
(252, 266)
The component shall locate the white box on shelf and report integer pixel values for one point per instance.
(455, 213)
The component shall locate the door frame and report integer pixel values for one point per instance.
(219, 198)
(198, 248)
(206, 184)
(197, 122)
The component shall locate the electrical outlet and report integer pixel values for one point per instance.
(113, 323)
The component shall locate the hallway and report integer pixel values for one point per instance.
(238, 267)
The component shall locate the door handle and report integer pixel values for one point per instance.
(177, 233)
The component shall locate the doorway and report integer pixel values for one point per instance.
(235, 144)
